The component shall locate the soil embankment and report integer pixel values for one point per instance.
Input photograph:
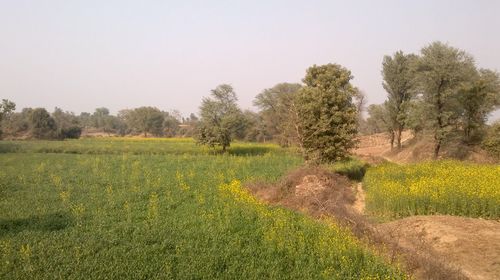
(431, 247)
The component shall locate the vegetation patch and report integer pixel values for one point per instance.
(440, 187)
(139, 215)
(352, 168)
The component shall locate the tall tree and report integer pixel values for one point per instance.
(442, 71)
(399, 82)
(477, 99)
(279, 112)
(220, 117)
(328, 116)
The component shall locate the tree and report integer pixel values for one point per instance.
(171, 124)
(252, 128)
(85, 119)
(477, 99)
(42, 125)
(416, 119)
(220, 117)
(67, 123)
(279, 112)
(399, 82)
(188, 127)
(442, 71)
(144, 120)
(328, 116)
(6, 107)
(378, 120)
(99, 117)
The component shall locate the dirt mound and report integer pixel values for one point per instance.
(473, 245)
(313, 190)
(311, 185)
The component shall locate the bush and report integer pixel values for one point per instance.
(73, 132)
(352, 168)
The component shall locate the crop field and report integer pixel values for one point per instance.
(161, 209)
(442, 187)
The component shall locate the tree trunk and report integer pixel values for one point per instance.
(145, 134)
(224, 149)
(398, 137)
(438, 137)
(392, 140)
(436, 148)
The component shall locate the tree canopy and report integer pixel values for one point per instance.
(220, 117)
(279, 112)
(399, 81)
(328, 116)
(144, 120)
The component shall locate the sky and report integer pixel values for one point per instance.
(80, 55)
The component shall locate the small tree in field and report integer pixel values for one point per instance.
(220, 117)
(328, 115)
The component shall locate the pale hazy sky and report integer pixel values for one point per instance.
(79, 55)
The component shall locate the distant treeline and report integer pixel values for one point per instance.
(38, 123)
(439, 92)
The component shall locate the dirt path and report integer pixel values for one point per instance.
(375, 148)
(359, 204)
(473, 245)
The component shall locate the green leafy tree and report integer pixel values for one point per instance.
(220, 118)
(171, 124)
(85, 119)
(42, 125)
(253, 128)
(67, 123)
(328, 116)
(477, 99)
(145, 120)
(442, 72)
(6, 107)
(99, 117)
(399, 82)
(416, 119)
(279, 112)
(102, 120)
(360, 103)
(378, 120)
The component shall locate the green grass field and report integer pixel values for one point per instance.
(441, 187)
(161, 209)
